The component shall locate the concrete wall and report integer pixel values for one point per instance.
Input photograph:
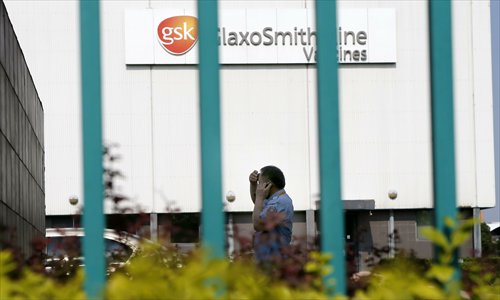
(372, 232)
(22, 181)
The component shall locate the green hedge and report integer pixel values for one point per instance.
(159, 274)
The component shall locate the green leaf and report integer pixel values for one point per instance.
(459, 237)
(468, 224)
(436, 237)
(425, 290)
(312, 267)
(442, 273)
(450, 222)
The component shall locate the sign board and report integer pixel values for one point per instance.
(258, 36)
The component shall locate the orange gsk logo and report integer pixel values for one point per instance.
(178, 34)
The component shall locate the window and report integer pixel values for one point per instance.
(71, 246)
(424, 219)
(116, 251)
(185, 228)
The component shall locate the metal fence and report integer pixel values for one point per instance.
(332, 227)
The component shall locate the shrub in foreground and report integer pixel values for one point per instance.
(23, 283)
(157, 274)
(401, 278)
(201, 278)
(151, 276)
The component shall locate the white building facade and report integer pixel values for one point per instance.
(268, 106)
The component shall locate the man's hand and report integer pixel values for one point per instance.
(263, 189)
(254, 177)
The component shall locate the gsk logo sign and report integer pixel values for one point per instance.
(178, 34)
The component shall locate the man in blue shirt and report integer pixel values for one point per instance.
(272, 214)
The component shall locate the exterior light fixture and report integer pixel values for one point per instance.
(73, 200)
(393, 194)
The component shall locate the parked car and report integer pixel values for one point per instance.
(64, 250)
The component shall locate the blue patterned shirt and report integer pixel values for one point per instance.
(268, 244)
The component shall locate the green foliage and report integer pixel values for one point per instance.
(482, 277)
(202, 279)
(402, 279)
(318, 267)
(488, 246)
(160, 273)
(153, 275)
(25, 284)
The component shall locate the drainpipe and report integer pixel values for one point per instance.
(153, 226)
(393, 194)
(476, 213)
(392, 243)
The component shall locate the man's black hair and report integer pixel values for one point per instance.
(275, 175)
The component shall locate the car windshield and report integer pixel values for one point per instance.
(71, 246)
